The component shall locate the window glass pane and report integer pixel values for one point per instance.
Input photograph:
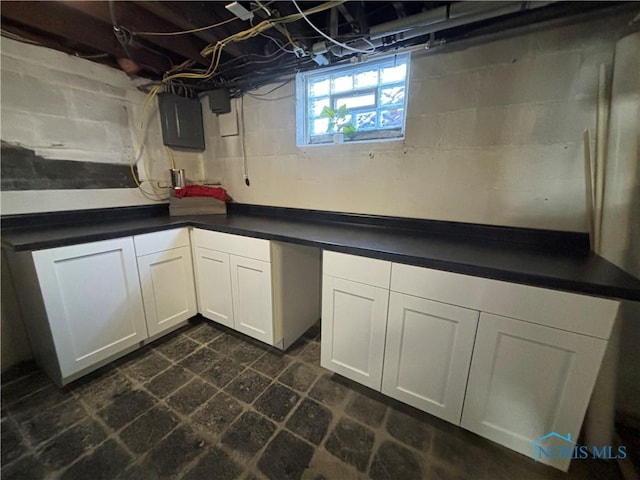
(391, 118)
(319, 126)
(319, 88)
(318, 105)
(357, 101)
(390, 96)
(343, 83)
(374, 95)
(366, 79)
(365, 120)
(393, 74)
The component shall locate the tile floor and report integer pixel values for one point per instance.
(207, 403)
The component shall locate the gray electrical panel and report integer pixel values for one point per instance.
(181, 120)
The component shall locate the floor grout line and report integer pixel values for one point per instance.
(135, 372)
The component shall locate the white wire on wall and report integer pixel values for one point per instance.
(335, 42)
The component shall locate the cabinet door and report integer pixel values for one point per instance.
(213, 280)
(167, 288)
(92, 297)
(354, 318)
(252, 303)
(428, 353)
(527, 381)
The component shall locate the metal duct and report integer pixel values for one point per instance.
(431, 21)
(437, 15)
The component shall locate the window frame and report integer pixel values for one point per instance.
(377, 134)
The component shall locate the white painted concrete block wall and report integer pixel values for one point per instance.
(494, 135)
(68, 108)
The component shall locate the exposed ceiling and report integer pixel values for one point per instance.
(147, 39)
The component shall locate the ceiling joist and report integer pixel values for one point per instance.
(55, 19)
(135, 19)
(157, 35)
(181, 17)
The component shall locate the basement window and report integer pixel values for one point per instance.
(354, 103)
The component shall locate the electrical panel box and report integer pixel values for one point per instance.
(219, 100)
(181, 120)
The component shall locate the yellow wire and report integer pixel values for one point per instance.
(173, 160)
(139, 143)
(195, 30)
(215, 50)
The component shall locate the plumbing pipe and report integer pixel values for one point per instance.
(427, 22)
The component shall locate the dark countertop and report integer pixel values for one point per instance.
(469, 251)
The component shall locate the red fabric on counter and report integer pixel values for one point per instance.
(202, 191)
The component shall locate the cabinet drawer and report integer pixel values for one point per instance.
(583, 314)
(249, 247)
(369, 271)
(160, 241)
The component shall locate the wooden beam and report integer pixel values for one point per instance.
(135, 18)
(43, 40)
(190, 15)
(54, 18)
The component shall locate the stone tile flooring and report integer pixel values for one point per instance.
(207, 403)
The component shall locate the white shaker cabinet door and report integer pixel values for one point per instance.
(428, 353)
(527, 381)
(252, 301)
(91, 293)
(213, 280)
(354, 319)
(167, 288)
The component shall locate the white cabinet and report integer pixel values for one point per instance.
(428, 353)
(81, 303)
(354, 317)
(166, 278)
(234, 282)
(213, 278)
(251, 293)
(267, 290)
(513, 375)
(527, 381)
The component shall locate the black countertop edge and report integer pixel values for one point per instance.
(96, 237)
(80, 217)
(571, 286)
(574, 243)
(140, 220)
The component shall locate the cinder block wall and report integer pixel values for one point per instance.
(494, 136)
(67, 108)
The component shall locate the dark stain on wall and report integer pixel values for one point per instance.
(22, 169)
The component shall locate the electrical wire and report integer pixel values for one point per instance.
(140, 144)
(185, 32)
(346, 47)
(183, 71)
(274, 40)
(258, 95)
(171, 157)
(215, 50)
(18, 38)
(199, 29)
(245, 173)
(269, 99)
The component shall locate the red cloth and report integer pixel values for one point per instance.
(202, 191)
